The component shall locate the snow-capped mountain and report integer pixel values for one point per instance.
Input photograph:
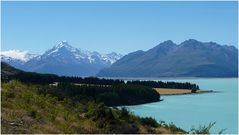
(62, 59)
(63, 49)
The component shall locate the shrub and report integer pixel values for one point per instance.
(149, 121)
(204, 129)
(99, 111)
(9, 94)
(32, 113)
(124, 112)
(174, 129)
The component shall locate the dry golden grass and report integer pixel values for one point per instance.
(169, 91)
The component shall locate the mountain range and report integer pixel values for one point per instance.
(191, 58)
(62, 59)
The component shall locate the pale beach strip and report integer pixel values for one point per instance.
(170, 91)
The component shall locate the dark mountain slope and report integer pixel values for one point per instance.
(6, 69)
(188, 59)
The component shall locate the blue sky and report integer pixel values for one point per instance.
(122, 27)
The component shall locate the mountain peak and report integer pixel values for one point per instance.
(167, 43)
(190, 41)
(63, 43)
(61, 46)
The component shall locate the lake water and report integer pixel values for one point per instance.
(200, 109)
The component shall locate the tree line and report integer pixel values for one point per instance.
(114, 95)
(161, 84)
(36, 78)
(10, 73)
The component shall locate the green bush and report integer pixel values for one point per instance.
(124, 112)
(32, 113)
(149, 121)
(100, 111)
(174, 129)
(9, 94)
(204, 129)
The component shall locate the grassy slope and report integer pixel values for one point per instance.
(170, 91)
(24, 110)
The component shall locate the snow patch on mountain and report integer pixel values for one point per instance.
(111, 57)
(17, 55)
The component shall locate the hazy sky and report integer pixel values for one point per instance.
(122, 27)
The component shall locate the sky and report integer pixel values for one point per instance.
(121, 27)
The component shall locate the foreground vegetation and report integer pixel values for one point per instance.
(30, 105)
(25, 109)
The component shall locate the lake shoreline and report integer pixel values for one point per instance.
(174, 92)
(200, 108)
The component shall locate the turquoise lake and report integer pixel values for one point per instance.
(199, 109)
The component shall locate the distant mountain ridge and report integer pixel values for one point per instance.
(62, 59)
(191, 58)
